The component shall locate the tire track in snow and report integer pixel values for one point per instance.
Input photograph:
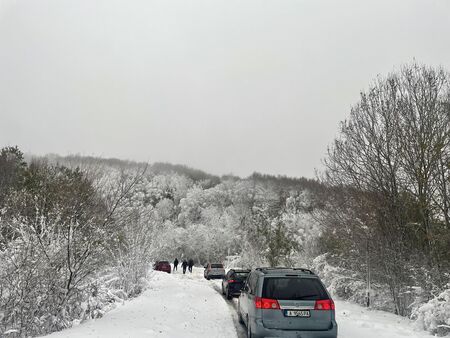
(232, 304)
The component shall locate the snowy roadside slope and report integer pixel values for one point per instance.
(355, 321)
(176, 305)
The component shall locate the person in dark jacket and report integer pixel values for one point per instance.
(184, 265)
(175, 264)
(191, 264)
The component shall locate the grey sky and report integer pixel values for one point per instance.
(224, 86)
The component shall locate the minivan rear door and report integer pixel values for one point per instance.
(238, 280)
(217, 270)
(296, 296)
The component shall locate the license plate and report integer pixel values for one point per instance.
(297, 313)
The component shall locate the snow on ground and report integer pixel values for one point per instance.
(355, 321)
(176, 305)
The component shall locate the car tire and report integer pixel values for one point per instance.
(208, 278)
(229, 297)
(249, 330)
(240, 319)
(223, 291)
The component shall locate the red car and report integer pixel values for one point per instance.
(162, 266)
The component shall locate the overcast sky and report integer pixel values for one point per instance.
(223, 86)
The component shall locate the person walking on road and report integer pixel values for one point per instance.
(184, 266)
(175, 264)
(191, 264)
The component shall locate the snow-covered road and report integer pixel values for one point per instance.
(180, 305)
(176, 305)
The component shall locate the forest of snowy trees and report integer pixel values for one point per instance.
(388, 175)
(78, 234)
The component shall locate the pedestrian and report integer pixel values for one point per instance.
(191, 264)
(184, 265)
(175, 264)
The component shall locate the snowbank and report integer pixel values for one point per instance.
(355, 321)
(434, 316)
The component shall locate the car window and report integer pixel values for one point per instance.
(247, 283)
(217, 266)
(293, 288)
(252, 281)
(240, 275)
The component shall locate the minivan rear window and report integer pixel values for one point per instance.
(293, 288)
(217, 266)
(240, 275)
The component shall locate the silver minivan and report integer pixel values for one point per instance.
(286, 302)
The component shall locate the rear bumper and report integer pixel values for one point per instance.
(164, 270)
(259, 331)
(235, 292)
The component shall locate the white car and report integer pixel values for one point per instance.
(214, 270)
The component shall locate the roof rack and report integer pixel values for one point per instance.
(304, 270)
(272, 268)
(285, 268)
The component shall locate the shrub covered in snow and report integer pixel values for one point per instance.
(434, 316)
(348, 285)
(45, 305)
(59, 232)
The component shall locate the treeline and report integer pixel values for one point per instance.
(79, 234)
(156, 168)
(388, 178)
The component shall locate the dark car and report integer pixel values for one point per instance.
(162, 266)
(233, 282)
(286, 302)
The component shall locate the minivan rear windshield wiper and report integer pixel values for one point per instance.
(306, 296)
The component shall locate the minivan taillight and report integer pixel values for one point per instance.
(231, 281)
(326, 304)
(266, 304)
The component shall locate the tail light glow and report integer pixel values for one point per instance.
(326, 304)
(266, 303)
